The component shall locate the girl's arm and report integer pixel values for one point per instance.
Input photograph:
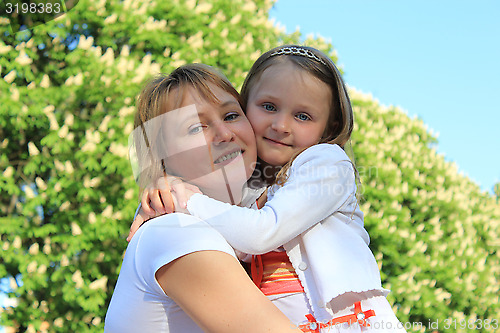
(214, 290)
(321, 182)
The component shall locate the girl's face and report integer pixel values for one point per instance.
(288, 109)
(210, 144)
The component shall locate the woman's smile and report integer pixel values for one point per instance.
(229, 157)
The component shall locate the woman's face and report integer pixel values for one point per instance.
(210, 144)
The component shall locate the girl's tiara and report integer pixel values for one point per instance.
(293, 50)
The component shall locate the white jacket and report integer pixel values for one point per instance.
(315, 217)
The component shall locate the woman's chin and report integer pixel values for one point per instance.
(224, 184)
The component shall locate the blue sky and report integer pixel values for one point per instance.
(438, 60)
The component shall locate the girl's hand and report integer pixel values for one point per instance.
(169, 195)
(157, 200)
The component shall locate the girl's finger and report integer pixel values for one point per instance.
(156, 203)
(179, 192)
(145, 203)
(165, 195)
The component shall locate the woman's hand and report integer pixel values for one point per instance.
(169, 194)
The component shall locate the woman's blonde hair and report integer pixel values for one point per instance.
(340, 121)
(157, 98)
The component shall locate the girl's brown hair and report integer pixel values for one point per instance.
(340, 121)
(157, 98)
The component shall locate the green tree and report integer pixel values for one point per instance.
(434, 232)
(67, 95)
(68, 91)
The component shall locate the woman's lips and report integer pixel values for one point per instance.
(228, 158)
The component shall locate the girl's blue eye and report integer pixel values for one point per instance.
(231, 117)
(303, 117)
(195, 129)
(269, 107)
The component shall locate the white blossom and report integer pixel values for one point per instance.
(235, 19)
(10, 76)
(34, 249)
(118, 149)
(40, 183)
(64, 206)
(99, 283)
(85, 43)
(63, 132)
(190, 4)
(129, 194)
(196, 40)
(249, 6)
(111, 19)
(5, 48)
(108, 57)
(59, 166)
(17, 242)
(29, 192)
(8, 172)
(32, 149)
(69, 167)
(64, 260)
(203, 8)
(89, 147)
(45, 83)
(92, 218)
(128, 128)
(77, 279)
(125, 111)
(108, 211)
(75, 228)
(32, 267)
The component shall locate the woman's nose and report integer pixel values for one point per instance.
(222, 133)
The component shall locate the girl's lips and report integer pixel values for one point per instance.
(279, 143)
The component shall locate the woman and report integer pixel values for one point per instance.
(178, 274)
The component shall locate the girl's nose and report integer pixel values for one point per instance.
(281, 123)
(222, 133)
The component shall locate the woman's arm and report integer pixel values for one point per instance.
(321, 182)
(214, 290)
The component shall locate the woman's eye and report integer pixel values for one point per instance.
(303, 117)
(231, 116)
(195, 129)
(269, 107)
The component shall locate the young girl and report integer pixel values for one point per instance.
(178, 273)
(316, 260)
